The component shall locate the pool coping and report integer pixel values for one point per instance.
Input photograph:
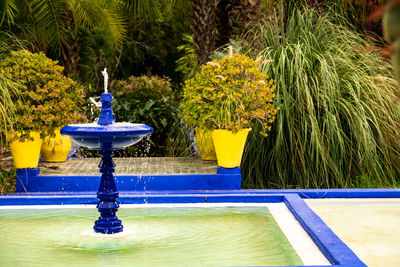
(335, 250)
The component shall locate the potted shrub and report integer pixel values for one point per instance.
(48, 101)
(226, 97)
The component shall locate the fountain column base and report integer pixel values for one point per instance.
(108, 222)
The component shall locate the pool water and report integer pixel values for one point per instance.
(228, 236)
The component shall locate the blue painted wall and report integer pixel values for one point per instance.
(29, 180)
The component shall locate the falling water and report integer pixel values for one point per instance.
(147, 145)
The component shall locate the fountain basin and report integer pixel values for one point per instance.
(94, 136)
(153, 236)
(333, 249)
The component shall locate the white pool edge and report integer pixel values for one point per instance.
(308, 252)
(301, 242)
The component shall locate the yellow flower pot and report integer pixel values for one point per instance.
(229, 147)
(205, 145)
(56, 149)
(26, 154)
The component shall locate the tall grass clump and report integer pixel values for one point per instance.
(338, 123)
(8, 87)
(362, 14)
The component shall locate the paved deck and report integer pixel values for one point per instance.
(131, 166)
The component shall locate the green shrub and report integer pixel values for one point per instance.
(187, 63)
(7, 181)
(338, 121)
(48, 99)
(149, 100)
(229, 94)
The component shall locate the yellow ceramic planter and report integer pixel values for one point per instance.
(229, 147)
(205, 145)
(56, 149)
(26, 154)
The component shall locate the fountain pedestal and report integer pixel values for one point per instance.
(108, 222)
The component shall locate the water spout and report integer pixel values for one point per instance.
(105, 74)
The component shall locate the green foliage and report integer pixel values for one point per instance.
(48, 98)
(143, 86)
(9, 42)
(338, 117)
(8, 87)
(187, 63)
(153, 38)
(357, 14)
(83, 35)
(48, 24)
(149, 100)
(8, 91)
(7, 181)
(229, 94)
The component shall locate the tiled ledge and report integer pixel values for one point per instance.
(131, 166)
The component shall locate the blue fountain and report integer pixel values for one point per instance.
(106, 136)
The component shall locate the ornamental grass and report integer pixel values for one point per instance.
(339, 118)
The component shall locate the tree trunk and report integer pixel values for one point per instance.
(248, 12)
(70, 51)
(204, 31)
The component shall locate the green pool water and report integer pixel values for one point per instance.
(152, 237)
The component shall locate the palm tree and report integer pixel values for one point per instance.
(203, 24)
(212, 23)
(248, 12)
(53, 26)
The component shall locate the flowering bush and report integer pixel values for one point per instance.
(48, 98)
(229, 94)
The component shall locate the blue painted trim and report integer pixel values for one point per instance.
(330, 193)
(130, 183)
(222, 170)
(23, 177)
(329, 244)
(28, 172)
(336, 193)
(303, 193)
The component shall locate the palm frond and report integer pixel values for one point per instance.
(49, 16)
(143, 9)
(101, 13)
(8, 11)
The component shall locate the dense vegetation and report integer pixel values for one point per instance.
(338, 121)
(339, 114)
